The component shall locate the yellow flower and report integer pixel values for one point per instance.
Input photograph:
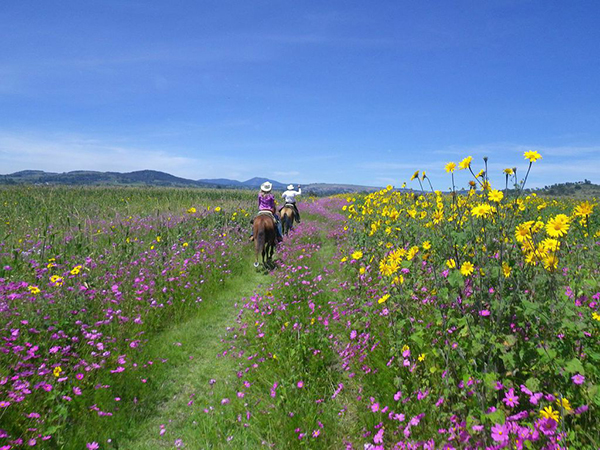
(426, 245)
(480, 174)
(192, 210)
(508, 171)
(451, 264)
(532, 156)
(422, 357)
(506, 269)
(481, 210)
(596, 316)
(550, 262)
(217, 209)
(157, 238)
(383, 299)
(57, 370)
(75, 270)
(405, 348)
(56, 280)
(362, 270)
(344, 259)
(557, 226)
(495, 196)
(423, 176)
(398, 279)
(523, 231)
(465, 163)
(185, 244)
(564, 403)
(450, 167)
(357, 255)
(467, 268)
(412, 252)
(34, 290)
(584, 209)
(549, 413)
(415, 175)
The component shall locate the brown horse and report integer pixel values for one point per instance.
(265, 238)
(288, 216)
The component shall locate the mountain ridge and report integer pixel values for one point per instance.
(164, 179)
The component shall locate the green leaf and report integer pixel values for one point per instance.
(533, 384)
(575, 366)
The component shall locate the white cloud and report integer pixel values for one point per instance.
(65, 153)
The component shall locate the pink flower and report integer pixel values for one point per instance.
(300, 384)
(578, 379)
(378, 439)
(484, 313)
(499, 433)
(510, 399)
(92, 446)
(375, 407)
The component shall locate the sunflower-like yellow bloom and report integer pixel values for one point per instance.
(584, 209)
(415, 175)
(465, 163)
(450, 167)
(557, 226)
(495, 196)
(481, 210)
(550, 262)
(549, 413)
(506, 269)
(508, 171)
(467, 268)
(564, 403)
(532, 156)
(523, 231)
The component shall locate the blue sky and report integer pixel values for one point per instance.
(301, 91)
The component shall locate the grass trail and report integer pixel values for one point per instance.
(199, 379)
(192, 348)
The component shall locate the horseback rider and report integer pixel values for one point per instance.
(290, 199)
(266, 202)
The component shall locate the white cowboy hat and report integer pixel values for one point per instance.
(266, 187)
(290, 187)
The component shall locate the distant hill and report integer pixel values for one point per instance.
(578, 189)
(252, 183)
(157, 178)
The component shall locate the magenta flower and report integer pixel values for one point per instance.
(547, 426)
(300, 384)
(500, 433)
(92, 446)
(578, 379)
(510, 399)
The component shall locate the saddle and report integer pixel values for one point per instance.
(265, 213)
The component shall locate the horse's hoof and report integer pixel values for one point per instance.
(255, 264)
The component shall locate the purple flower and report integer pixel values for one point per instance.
(499, 433)
(547, 426)
(510, 399)
(92, 446)
(578, 379)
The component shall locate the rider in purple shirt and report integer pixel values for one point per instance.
(266, 202)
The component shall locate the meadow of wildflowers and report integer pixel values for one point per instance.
(87, 279)
(400, 319)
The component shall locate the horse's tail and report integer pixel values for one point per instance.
(259, 241)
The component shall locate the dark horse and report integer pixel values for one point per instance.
(287, 219)
(265, 238)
